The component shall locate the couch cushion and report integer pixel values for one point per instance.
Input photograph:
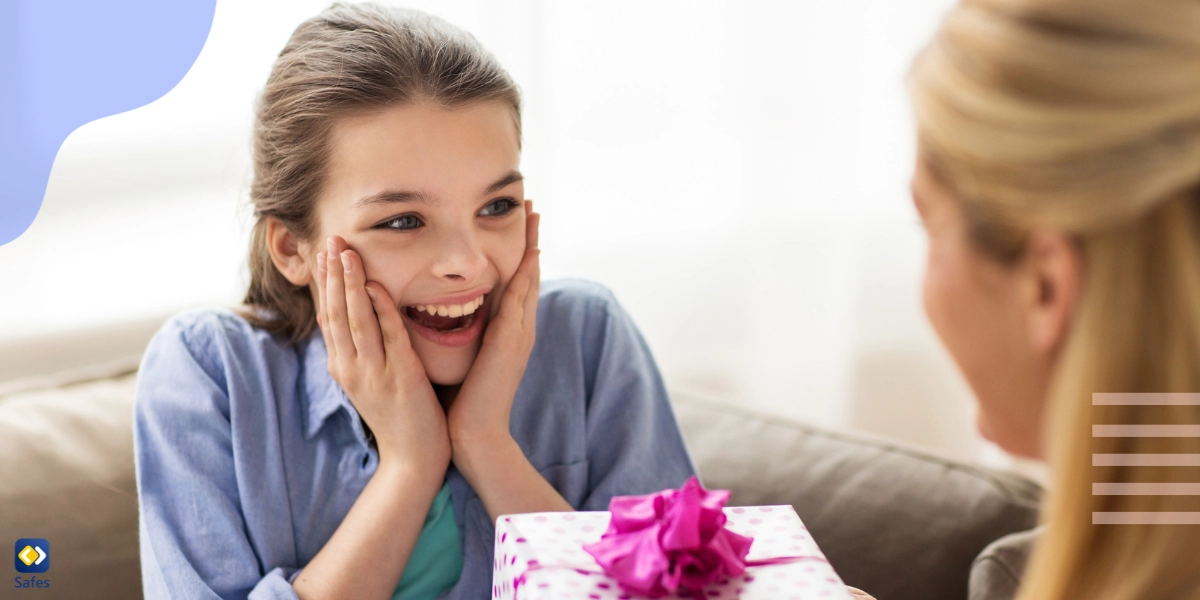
(898, 523)
(66, 463)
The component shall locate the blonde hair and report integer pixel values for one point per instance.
(1083, 117)
(349, 59)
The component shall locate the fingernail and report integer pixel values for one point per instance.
(345, 262)
(371, 293)
(332, 247)
(320, 261)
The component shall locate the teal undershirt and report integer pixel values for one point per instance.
(437, 559)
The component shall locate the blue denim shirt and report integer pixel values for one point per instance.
(249, 455)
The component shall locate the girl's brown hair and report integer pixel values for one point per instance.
(350, 59)
(1084, 118)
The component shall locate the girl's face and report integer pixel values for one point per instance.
(433, 201)
(1002, 324)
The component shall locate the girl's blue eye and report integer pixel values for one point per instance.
(497, 208)
(402, 222)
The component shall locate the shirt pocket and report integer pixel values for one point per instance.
(570, 479)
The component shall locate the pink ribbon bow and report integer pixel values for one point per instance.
(670, 541)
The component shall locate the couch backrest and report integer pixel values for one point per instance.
(898, 523)
(77, 354)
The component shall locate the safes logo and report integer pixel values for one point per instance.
(31, 555)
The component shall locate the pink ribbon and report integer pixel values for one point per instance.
(672, 541)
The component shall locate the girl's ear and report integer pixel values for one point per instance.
(287, 252)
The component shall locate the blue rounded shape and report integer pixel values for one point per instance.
(65, 64)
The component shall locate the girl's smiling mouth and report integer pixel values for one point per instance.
(448, 324)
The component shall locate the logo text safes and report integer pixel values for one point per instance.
(31, 555)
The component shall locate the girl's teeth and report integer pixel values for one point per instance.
(458, 310)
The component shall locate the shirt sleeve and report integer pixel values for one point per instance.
(190, 524)
(634, 442)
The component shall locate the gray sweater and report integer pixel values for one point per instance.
(996, 572)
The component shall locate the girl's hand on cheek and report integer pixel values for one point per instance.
(482, 446)
(371, 357)
(480, 411)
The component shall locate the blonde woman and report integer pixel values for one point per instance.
(1058, 177)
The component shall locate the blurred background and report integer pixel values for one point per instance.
(736, 172)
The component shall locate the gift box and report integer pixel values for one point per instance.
(543, 556)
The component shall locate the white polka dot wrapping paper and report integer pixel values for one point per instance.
(540, 556)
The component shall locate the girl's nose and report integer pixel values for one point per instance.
(460, 258)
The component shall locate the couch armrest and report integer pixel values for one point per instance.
(66, 463)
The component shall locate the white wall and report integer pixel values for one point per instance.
(736, 172)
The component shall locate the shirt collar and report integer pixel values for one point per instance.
(324, 395)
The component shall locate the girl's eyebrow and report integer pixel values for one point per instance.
(509, 179)
(393, 196)
(398, 196)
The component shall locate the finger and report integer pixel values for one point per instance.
(529, 317)
(532, 220)
(391, 325)
(360, 314)
(335, 297)
(319, 280)
(533, 225)
(322, 306)
(512, 305)
(513, 302)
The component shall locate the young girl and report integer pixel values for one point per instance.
(399, 377)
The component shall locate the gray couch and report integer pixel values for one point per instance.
(896, 522)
